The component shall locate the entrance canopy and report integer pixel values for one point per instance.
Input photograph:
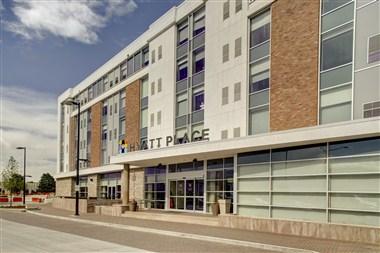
(223, 148)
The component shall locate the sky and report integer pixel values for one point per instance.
(48, 46)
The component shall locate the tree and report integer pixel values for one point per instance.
(47, 183)
(12, 180)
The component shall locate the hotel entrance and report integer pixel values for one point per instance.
(186, 194)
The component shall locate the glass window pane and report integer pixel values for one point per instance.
(328, 5)
(337, 95)
(336, 113)
(338, 17)
(260, 98)
(144, 118)
(198, 101)
(356, 147)
(254, 157)
(137, 61)
(260, 35)
(336, 76)
(259, 121)
(337, 51)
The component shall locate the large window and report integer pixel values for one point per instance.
(199, 22)
(338, 182)
(220, 173)
(336, 61)
(199, 60)
(182, 104)
(198, 100)
(155, 178)
(259, 74)
(182, 70)
(110, 186)
(183, 33)
(374, 48)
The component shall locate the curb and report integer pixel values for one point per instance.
(233, 242)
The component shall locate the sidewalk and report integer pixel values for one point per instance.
(318, 245)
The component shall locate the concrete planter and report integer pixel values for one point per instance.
(224, 206)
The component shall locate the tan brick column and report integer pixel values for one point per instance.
(294, 64)
(125, 185)
(132, 113)
(96, 132)
(72, 146)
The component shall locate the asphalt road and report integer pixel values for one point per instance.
(25, 232)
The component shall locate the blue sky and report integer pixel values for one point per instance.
(49, 46)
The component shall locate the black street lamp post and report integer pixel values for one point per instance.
(24, 189)
(76, 103)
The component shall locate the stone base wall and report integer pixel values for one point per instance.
(300, 228)
(136, 185)
(64, 187)
(114, 210)
(85, 205)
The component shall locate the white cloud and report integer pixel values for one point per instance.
(28, 118)
(79, 20)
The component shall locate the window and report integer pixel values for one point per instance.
(115, 133)
(130, 67)
(182, 104)
(183, 33)
(152, 88)
(137, 61)
(225, 96)
(198, 101)
(104, 110)
(145, 56)
(236, 132)
(123, 71)
(199, 60)
(144, 88)
(199, 22)
(115, 108)
(374, 49)
(328, 5)
(371, 109)
(259, 120)
(224, 134)
(111, 83)
(122, 99)
(238, 47)
(237, 91)
(144, 118)
(259, 82)
(153, 56)
(159, 118)
(122, 126)
(152, 120)
(260, 35)
(337, 51)
(159, 53)
(226, 9)
(238, 5)
(110, 135)
(159, 85)
(225, 53)
(182, 70)
(110, 110)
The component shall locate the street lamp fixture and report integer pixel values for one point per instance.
(71, 101)
(24, 188)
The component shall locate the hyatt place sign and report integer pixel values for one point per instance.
(164, 142)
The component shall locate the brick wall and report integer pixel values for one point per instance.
(96, 128)
(294, 64)
(132, 112)
(72, 147)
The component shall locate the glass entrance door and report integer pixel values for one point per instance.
(186, 194)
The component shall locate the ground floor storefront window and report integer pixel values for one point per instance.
(110, 186)
(155, 183)
(337, 182)
(83, 190)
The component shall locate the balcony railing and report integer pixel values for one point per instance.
(182, 50)
(199, 40)
(181, 85)
(198, 78)
(197, 116)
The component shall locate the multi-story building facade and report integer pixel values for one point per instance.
(272, 104)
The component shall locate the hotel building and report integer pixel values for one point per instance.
(273, 104)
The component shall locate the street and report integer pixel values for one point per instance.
(54, 230)
(25, 232)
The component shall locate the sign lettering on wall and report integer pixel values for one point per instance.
(160, 142)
